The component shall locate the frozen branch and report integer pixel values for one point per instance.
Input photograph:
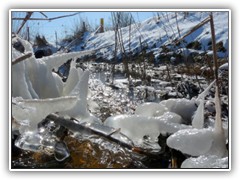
(21, 58)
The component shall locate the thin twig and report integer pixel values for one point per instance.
(44, 14)
(21, 58)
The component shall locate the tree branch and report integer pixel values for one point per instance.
(28, 15)
(46, 19)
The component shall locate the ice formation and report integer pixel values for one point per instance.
(198, 119)
(169, 116)
(201, 141)
(194, 142)
(151, 109)
(224, 67)
(219, 144)
(183, 107)
(137, 126)
(35, 110)
(205, 162)
(81, 91)
(34, 79)
(32, 141)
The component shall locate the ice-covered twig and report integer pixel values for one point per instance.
(58, 59)
(21, 58)
(102, 131)
(198, 119)
(205, 92)
(218, 120)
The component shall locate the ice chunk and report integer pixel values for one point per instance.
(137, 126)
(172, 117)
(218, 147)
(37, 141)
(151, 109)
(182, 107)
(37, 109)
(223, 67)
(205, 162)
(194, 142)
(61, 151)
(29, 141)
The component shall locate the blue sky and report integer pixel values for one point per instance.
(65, 26)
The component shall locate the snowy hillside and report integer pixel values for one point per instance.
(156, 32)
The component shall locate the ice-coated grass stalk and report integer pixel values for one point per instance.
(218, 121)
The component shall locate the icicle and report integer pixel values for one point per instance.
(218, 120)
(198, 119)
(219, 144)
(205, 92)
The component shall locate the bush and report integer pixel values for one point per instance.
(220, 47)
(194, 45)
(79, 28)
(40, 41)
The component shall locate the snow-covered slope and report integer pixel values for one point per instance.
(159, 31)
